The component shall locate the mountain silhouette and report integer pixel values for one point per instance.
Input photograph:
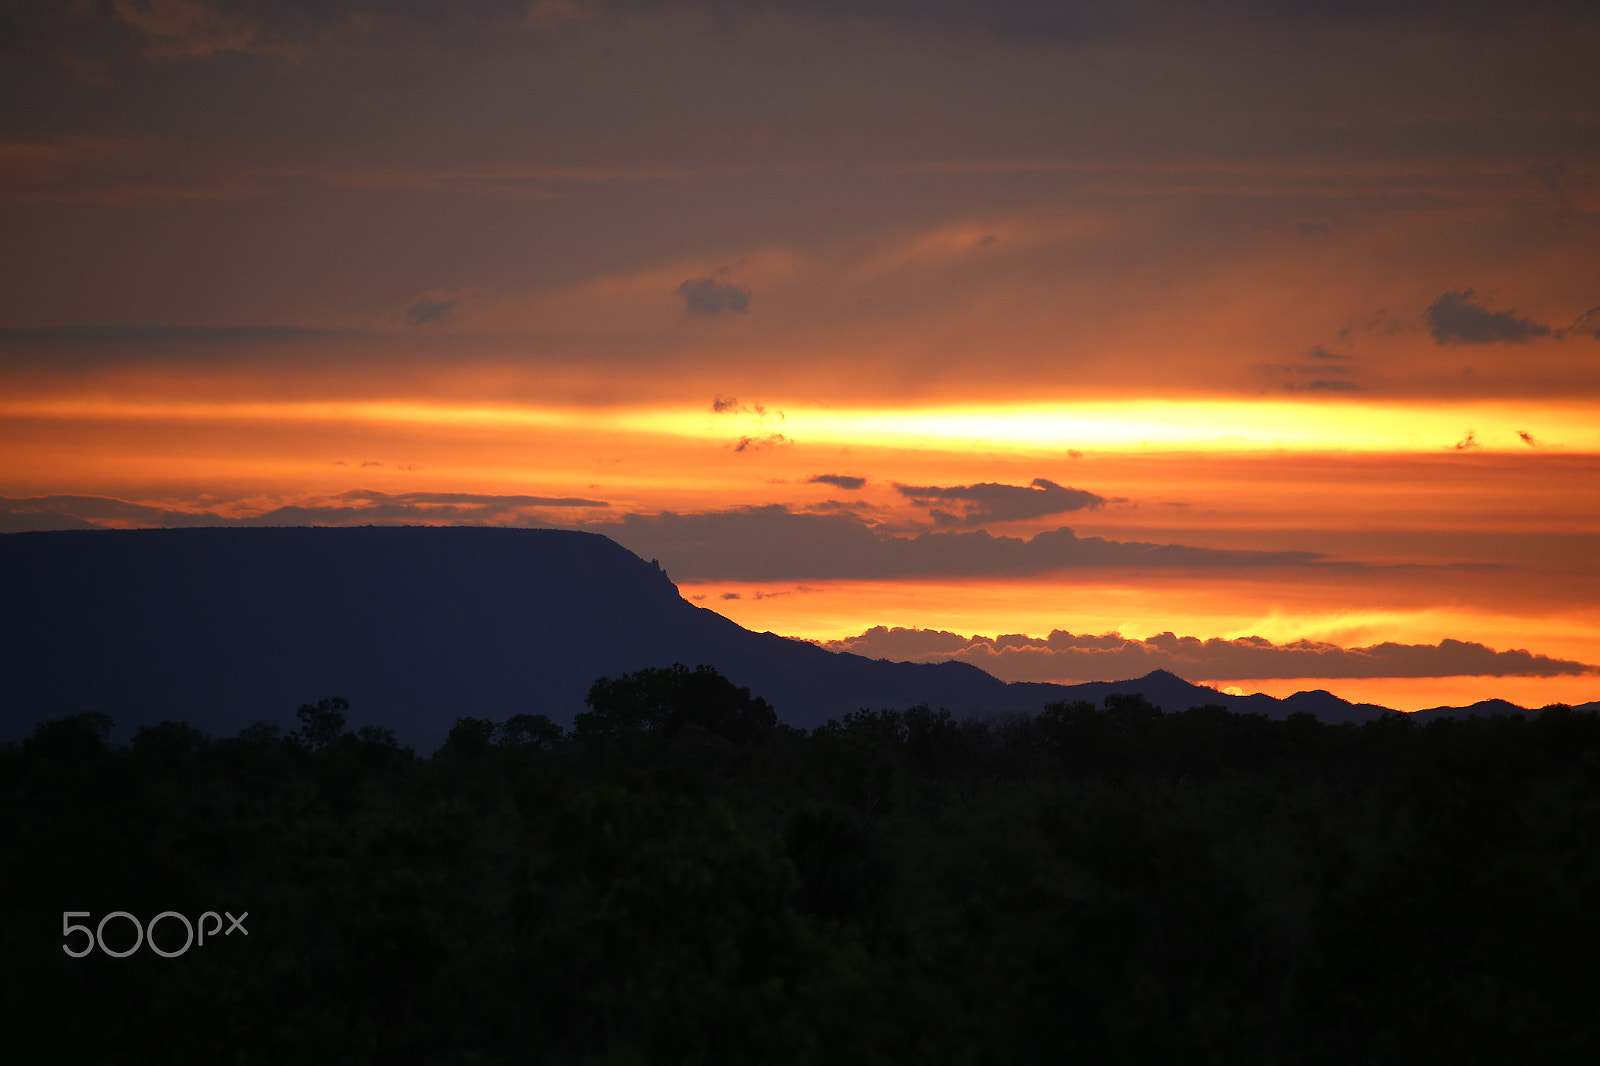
(419, 625)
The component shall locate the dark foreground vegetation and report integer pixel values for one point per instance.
(680, 879)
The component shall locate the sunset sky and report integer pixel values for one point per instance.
(1255, 340)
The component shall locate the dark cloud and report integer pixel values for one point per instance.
(25, 514)
(1468, 442)
(1379, 323)
(487, 499)
(772, 543)
(1042, 22)
(838, 481)
(755, 444)
(903, 645)
(355, 507)
(1528, 438)
(1020, 21)
(1064, 656)
(991, 502)
(708, 297)
(762, 437)
(430, 310)
(20, 514)
(721, 405)
(1324, 385)
(363, 506)
(1310, 377)
(745, 544)
(1454, 318)
(1304, 368)
(849, 507)
(193, 31)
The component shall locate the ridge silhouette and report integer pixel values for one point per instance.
(419, 625)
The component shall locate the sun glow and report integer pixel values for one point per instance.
(1212, 425)
(1105, 426)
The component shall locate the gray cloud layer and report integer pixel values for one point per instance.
(769, 543)
(1455, 318)
(197, 30)
(427, 310)
(356, 507)
(1066, 656)
(772, 543)
(709, 297)
(992, 502)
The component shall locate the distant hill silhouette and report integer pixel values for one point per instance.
(419, 625)
(1483, 709)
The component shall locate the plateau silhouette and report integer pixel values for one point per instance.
(419, 625)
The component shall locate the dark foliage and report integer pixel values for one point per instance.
(668, 701)
(683, 880)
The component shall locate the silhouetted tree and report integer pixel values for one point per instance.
(322, 724)
(168, 744)
(665, 701)
(75, 738)
(377, 736)
(469, 737)
(531, 730)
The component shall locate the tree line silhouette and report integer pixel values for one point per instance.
(681, 878)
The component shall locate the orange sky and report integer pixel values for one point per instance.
(1298, 312)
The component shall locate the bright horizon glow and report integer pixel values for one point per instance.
(1103, 425)
(824, 610)
(840, 610)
